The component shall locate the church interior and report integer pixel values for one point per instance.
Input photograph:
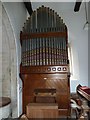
(44, 59)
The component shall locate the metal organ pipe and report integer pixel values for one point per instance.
(46, 50)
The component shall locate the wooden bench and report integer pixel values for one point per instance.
(42, 110)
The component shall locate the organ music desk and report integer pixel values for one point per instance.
(45, 95)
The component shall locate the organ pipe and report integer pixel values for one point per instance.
(49, 48)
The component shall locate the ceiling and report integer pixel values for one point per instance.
(55, 5)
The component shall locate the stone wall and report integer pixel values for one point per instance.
(9, 71)
(0, 50)
(13, 18)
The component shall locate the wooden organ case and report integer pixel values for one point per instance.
(44, 58)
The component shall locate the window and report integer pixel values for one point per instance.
(73, 60)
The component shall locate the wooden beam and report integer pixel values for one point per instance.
(77, 5)
(26, 36)
(28, 7)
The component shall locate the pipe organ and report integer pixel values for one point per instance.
(44, 57)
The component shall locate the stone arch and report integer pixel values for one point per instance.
(9, 63)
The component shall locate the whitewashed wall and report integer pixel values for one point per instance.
(1, 50)
(6, 61)
(89, 46)
(9, 79)
(17, 15)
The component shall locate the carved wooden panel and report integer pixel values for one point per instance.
(45, 69)
(42, 110)
(57, 81)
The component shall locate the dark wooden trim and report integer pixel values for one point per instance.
(28, 7)
(77, 5)
(44, 69)
(45, 90)
(26, 36)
